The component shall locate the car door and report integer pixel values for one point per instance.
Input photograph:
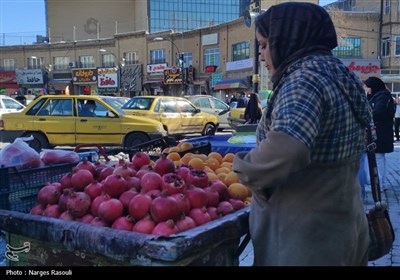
(101, 128)
(192, 120)
(9, 105)
(221, 110)
(55, 118)
(170, 116)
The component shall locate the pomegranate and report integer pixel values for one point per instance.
(139, 206)
(197, 178)
(164, 165)
(153, 193)
(140, 159)
(52, 211)
(124, 171)
(123, 223)
(150, 181)
(81, 178)
(133, 183)
(66, 216)
(172, 183)
(145, 225)
(224, 207)
(183, 171)
(87, 165)
(110, 210)
(98, 222)
(185, 223)
(86, 218)
(78, 204)
(114, 185)
(96, 202)
(236, 203)
(66, 181)
(164, 208)
(94, 189)
(165, 228)
(213, 196)
(200, 215)
(126, 197)
(183, 202)
(37, 210)
(221, 188)
(198, 197)
(213, 212)
(62, 202)
(105, 172)
(48, 195)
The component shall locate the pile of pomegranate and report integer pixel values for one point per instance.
(161, 198)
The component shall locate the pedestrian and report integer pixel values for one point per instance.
(383, 111)
(233, 99)
(242, 101)
(306, 208)
(253, 111)
(397, 119)
(20, 98)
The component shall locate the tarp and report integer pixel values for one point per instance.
(231, 84)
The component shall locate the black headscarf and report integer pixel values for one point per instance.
(295, 30)
(375, 84)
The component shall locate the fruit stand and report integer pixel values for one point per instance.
(38, 236)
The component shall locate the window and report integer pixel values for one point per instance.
(387, 6)
(211, 57)
(385, 51)
(61, 63)
(87, 61)
(203, 103)
(9, 64)
(157, 56)
(131, 58)
(35, 62)
(348, 48)
(108, 60)
(186, 107)
(240, 51)
(62, 107)
(397, 47)
(188, 59)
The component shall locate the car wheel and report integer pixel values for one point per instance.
(38, 142)
(136, 138)
(209, 129)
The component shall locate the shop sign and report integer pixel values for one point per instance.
(107, 79)
(156, 68)
(364, 68)
(8, 77)
(172, 76)
(29, 76)
(131, 78)
(84, 75)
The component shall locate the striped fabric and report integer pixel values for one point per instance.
(309, 104)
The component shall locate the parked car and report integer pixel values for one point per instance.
(9, 105)
(177, 114)
(55, 120)
(214, 106)
(236, 115)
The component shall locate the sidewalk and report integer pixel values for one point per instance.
(391, 195)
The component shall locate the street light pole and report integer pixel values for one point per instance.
(120, 65)
(180, 59)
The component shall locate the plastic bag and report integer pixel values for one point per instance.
(50, 157)
(19, 154)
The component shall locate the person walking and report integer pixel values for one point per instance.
(397, 119)
(253, 111)
(242, 101)
(306, 208)
(383, 110)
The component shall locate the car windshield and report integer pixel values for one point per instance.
(115, 103)
(138, 103)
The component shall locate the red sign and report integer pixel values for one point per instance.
(8, 77)
(211, 68)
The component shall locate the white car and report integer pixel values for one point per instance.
(9, 105)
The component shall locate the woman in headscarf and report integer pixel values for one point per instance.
(306, 207)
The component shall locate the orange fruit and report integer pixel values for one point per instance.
(228, 157)
(174, 156)
(238, 190)
(225, 170)
(213, 163)
(231, 178)
(196, 163)
(165, 151)
(175, 149)
(226, 164)
(221, 176)
(215, 155)
(207, 169)
(212, 176)
(185, 146)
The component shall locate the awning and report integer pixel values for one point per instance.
(231, 84)
(60, 81)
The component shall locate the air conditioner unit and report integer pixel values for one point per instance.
(72, 64)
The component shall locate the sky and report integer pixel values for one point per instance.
(22, 20)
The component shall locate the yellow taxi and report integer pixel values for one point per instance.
(55, 120)
(177, 114)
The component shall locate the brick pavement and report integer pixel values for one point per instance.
(391, 196)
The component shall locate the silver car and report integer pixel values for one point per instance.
(214, 106)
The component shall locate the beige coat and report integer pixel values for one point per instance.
(314, 216)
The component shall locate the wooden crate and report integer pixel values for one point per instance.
(54, 242)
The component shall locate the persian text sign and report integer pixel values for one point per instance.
(29, 76)
(107, 78)
(364, 68)
(84, 75)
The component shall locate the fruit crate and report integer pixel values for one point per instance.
(54, 242)
(19, 188)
